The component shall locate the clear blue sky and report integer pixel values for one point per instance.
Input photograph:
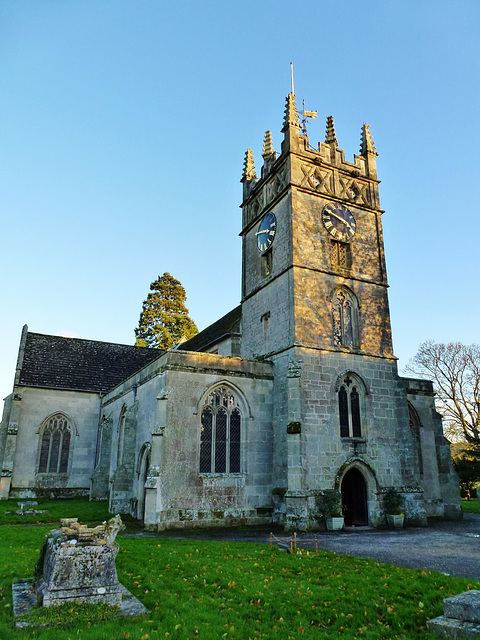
(123, 128)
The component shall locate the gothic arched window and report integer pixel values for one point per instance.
(350, 399)
(55, 444)
(121, 434)
(220, 439)
(345, 318)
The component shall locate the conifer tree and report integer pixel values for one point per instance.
(164, 320)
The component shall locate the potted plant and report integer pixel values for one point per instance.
(329, 504)
(393, 501)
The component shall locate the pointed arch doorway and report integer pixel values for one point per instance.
(354, 498)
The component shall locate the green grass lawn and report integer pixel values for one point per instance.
(81, 508)
(471, 506)
(215, 590)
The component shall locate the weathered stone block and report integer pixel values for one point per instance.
(464, 606)
(79, 565)
(453, 628)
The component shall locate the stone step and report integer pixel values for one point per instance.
(464, 606)
(453, 628)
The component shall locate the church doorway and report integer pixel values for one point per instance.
(354, 498)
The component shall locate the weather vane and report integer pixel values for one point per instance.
(305, 115)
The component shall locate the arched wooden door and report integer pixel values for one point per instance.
(354, 498)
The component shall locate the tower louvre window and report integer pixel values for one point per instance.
(267, 263)
(220, 438)
(341, 254)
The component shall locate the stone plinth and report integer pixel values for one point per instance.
(84, 573)
(79, 565)
(461, 619)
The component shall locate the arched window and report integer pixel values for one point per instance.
(55, 444)
(220, 439)
(345, 318)
(98, 451)
(350, 399)
(121, 434)
(415, 426)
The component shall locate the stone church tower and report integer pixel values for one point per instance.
(314, 301)
(293, 392)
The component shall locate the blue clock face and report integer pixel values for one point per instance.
(338, 221)
(266, 232)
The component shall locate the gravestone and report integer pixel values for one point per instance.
(461, 617)
(77, 564)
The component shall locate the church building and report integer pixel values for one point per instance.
(293, 392)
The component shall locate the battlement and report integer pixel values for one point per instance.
(322, 170)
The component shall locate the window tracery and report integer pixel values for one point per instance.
(350, 399)
(55, 445)
(220, 439)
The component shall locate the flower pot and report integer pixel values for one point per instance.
(335, 523)
(395, 520)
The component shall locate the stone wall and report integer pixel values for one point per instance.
(169, 397)
(32, 407)
(439, 480)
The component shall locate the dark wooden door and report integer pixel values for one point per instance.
(354, 498)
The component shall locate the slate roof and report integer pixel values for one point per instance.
(229, 324)
(82, 365)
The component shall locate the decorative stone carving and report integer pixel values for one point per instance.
(318, 179)
(151, 483)
(6, 473)
(154, 471)
(354, 190)
(163, 395)
(158, 430)
(275, 185)
(294, 369)
(12, 429)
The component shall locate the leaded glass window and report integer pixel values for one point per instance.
(350, 396)
(55, 445)
(220, 436)
(121, 435)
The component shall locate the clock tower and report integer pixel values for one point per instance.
(314, 301)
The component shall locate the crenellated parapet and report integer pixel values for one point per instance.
(322, 170)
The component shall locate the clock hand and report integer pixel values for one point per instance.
(263, 231)
(335, 215)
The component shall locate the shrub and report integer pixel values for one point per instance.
(393, 501)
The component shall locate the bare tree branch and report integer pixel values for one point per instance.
(455, 371)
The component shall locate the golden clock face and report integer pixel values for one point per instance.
(338, 221)
(266, 232)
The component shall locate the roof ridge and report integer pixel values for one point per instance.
(70, 338)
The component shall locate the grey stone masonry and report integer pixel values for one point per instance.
(79, 565)
(465, 606)
(461, 619)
